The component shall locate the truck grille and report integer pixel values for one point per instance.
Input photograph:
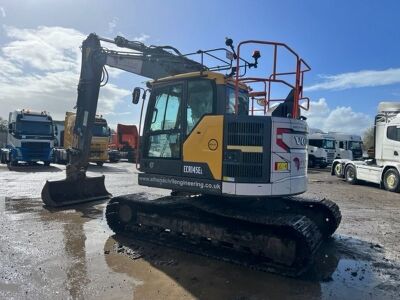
(35, 150)
(357, 154)
(96, 152)
(245, 133)
(330, 157)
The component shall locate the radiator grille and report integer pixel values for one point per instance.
(330, 157)
(243, 171)
(245, 134)
(35, 150)
(252, 158)
(239, 164)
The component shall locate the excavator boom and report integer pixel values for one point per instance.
(151, 62)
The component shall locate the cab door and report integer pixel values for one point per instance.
(163, 131)
(391, 144)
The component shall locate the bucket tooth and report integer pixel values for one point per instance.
(67, 192)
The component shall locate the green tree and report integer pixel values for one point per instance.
(3, 124)
(368, 138)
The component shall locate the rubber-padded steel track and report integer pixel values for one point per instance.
(274, 238)
(324, 213)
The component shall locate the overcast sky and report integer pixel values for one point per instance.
(352, 46)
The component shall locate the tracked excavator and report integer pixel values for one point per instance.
(230, 147)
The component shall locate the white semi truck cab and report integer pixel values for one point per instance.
(349, 146)
(30, 138)
(317, 157)
(384, 168)
(321, 150)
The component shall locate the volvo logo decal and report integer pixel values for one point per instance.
(300, 140)
(213, 144)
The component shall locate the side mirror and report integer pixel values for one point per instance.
(10, 128)
(136, 95)
(55, 130)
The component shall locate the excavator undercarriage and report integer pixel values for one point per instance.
(275, 235)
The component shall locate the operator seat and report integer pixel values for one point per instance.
(285, 108)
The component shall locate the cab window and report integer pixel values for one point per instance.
(166, 109)
(315, 143)
(243, 102)
(199, 102)
(165, 124)
(393, 133)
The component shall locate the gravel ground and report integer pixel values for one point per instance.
(72, 254)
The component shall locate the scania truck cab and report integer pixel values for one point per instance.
(384, 168)
(321, 149)
(348, 146)
(30, 138)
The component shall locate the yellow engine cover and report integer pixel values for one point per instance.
(205, 143)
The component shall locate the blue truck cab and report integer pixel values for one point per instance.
(30, 138)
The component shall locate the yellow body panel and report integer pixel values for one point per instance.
(98, 146)
(205, 143)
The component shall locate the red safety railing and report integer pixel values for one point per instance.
(263, 97)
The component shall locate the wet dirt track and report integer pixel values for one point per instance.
(73, 254)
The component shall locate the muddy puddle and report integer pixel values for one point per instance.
(73, 254)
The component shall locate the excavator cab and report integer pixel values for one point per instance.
(209, 133)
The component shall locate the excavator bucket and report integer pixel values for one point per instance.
(67, 192)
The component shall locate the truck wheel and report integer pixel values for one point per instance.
(338, 170)
(391, 180)
(350, 174)
(46, 163)
(100, 163)
(11, 164)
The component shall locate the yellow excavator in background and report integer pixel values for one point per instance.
(233, 160)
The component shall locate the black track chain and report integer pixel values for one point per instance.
(324, 213)
(324, 209)
(181, 209)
